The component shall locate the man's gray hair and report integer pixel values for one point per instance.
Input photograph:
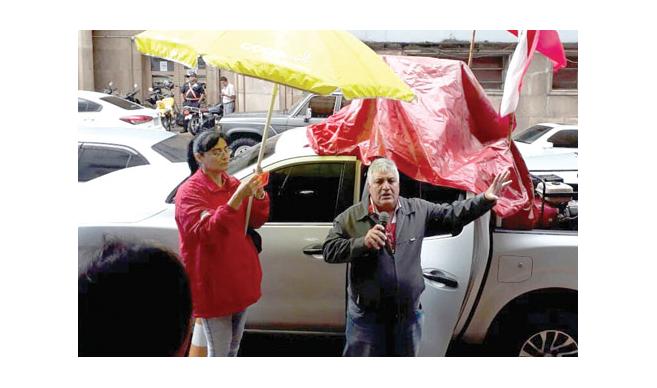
(382, 165)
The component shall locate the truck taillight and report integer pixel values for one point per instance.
(137, 119)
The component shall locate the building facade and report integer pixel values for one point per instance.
(111, 55)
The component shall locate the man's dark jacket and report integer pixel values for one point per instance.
(378, 278)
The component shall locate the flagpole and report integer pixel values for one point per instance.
(471, 48)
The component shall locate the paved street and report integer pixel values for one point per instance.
(286, 345)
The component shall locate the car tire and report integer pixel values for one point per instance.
(548, 333)
(238, 146)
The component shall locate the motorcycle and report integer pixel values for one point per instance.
(164, 105)
(109, 89)
(201, 119)
(130, 96)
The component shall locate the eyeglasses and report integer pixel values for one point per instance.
(219, 152)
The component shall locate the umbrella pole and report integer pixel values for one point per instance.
(265, 131)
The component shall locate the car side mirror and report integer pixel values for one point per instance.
(308, 115)
(549, 144)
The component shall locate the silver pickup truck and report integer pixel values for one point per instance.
(513, 291)
(245, 129)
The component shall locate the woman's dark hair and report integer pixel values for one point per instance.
(203, 142)
(134, 299)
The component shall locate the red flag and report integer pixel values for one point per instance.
(450, 136)
(545, 41)
(520, 60)
(550, 45)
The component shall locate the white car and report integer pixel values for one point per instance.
(104, 110)
(104, 150)
(546, 139)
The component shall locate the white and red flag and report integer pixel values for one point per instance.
(546, 42)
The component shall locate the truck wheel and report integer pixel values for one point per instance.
(549, 333)
(242, 144)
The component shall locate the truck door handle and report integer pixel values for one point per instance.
(313, 249)
(440, 276)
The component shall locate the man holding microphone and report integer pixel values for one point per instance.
(384, 316)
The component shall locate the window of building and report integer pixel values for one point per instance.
(489, 71)
(566, 78)
(313, 192)
(488, 65)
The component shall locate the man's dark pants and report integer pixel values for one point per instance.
(376, 333)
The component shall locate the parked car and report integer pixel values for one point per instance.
(104, 110)
(513, 291)
(245, 129)
(104, 150)
(547, 139)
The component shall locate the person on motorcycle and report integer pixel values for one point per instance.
(192, 93)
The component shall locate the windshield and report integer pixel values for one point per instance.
(531, 134)
(173, 148)
(121, 103)
(250, 156)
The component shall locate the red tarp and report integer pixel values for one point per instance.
(449, 136)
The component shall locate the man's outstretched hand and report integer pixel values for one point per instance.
(500, 181)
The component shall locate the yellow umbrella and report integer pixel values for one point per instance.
(316, 61)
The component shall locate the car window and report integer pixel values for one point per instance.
(88, 106)
(312, 192)
(173, 148)
(566, 138)
(531, 134)
(96, 160)
(321, 106)
(121, 103)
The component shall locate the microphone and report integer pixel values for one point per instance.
(384, 218)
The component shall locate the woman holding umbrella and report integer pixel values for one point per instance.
(220, 259)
